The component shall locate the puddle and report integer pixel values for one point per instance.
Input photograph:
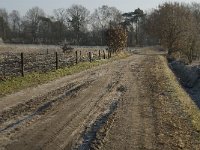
(90, 134)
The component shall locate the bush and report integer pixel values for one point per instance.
(116, 39)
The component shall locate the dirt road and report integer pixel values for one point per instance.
(112, 107)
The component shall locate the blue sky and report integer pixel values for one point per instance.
(49, 5)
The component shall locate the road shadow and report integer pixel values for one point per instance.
(189, 78)
(195, 93)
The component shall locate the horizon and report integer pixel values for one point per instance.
(126, 6)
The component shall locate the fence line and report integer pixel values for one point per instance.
(15, 64)
(22, 64)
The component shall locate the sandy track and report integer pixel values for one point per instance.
(135, 126)
(46, 130)
(109, 107)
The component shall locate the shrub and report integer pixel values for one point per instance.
(116, 39)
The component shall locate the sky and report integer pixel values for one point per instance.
(49, 5)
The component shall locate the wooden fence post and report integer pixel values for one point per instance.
(99, 54)
(56, 60)
(22, 64)
(90, 56)
(4, 69)
(76, 57)
(80, 56)
(104, 55)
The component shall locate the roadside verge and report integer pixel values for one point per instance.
(177, 116)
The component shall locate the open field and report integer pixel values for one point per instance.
(42, 58)
(28, 48)
(132, 103)
(33, 48)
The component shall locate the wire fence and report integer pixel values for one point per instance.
(19, 64)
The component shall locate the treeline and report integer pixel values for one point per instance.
(173, 25)
(176, 26)
(75, 25)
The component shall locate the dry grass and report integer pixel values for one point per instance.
(179, 94)
(177, 116)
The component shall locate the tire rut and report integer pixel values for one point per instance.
(87, 107)
(96, 104)
(30, 105)
(47, 105)
(133, 127)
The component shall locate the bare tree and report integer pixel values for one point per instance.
(60, 16)
(78, 17)
(4, 28)
(175, 26)
(32, 18)
(15, 22)
(195, 8)
(45, 29)
(102, 17)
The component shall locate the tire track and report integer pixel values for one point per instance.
(94, 110)
(46, 105)
(87, 106)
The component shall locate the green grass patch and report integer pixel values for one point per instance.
(34, 79)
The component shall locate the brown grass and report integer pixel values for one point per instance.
(179, 94)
